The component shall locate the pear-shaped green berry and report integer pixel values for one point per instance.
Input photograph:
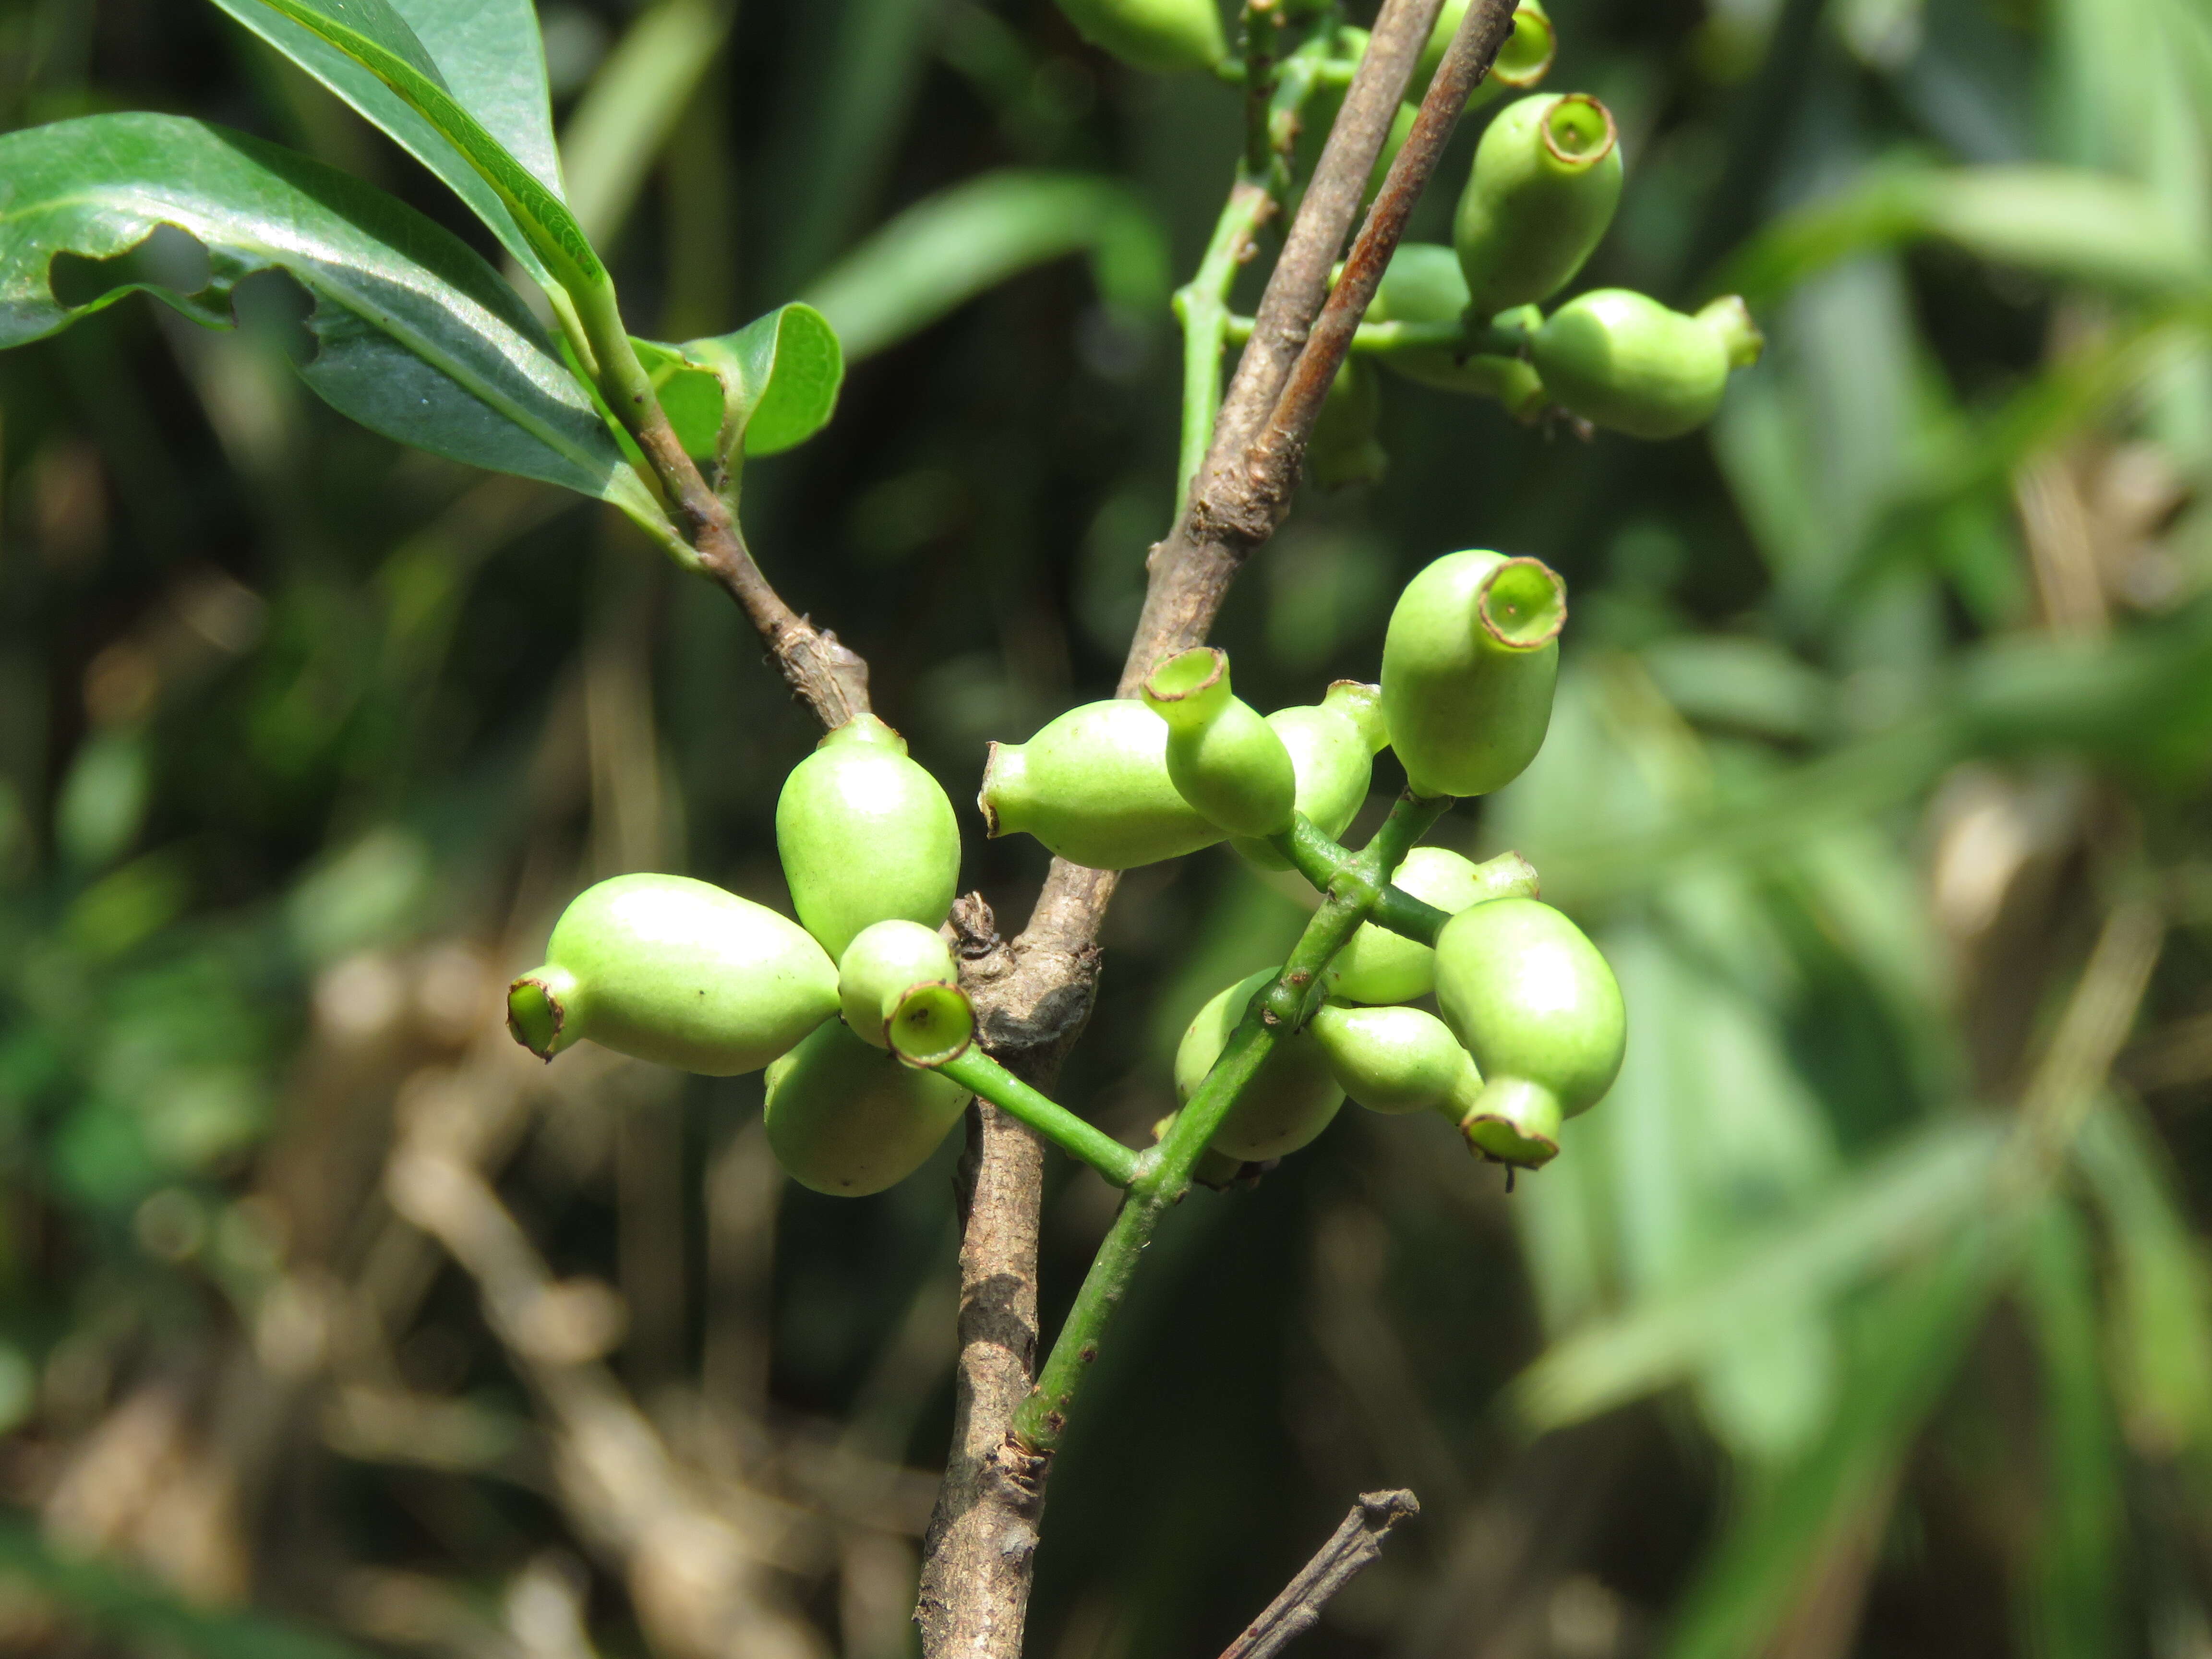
(1621, 359)
(676, 971)
(1533, 1002)
(1523, 61)
(1093, 787)
(883, 962)
(1289, 1102)
(1425, 284)
(1333, 745)
(1222, 757)
(1379, 966)
(866, 834)
(1391, 1060)
(1468, 665)
(1547, 178)
(1164, 36)
(1344, 448)
(848, 1120)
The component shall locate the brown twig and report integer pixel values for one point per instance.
(1356, 1544)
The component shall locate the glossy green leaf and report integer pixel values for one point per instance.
(773, 382)
(1922, 1190)
(486, 53)
(377, 38)
(405, 329)
(948, 248)
(2068, 223)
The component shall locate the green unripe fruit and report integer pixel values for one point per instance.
(1391, 1060)
(848, 1120)
(1507, 1121)
(1093, 787)
(1333, 745)
(675, 971)
(1546, 180)
(1379, 966)
(1222, 757)
(883, 962)
(1343, 449)
(1621, 359)
(1535, 1003)
(1523, 62)
(1289, 1100)
(1468, 665)
(1161, 35)
(1425, 284)
(866, 834)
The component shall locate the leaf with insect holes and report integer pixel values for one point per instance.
(392, 321)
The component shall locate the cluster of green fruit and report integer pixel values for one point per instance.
(853, 1009)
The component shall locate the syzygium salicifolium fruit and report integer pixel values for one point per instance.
(1379, 966)
(1289, 1100)
(883, 962)
(1093, 787)
(1523, 61)
(867, 836)
(1162, 35)
(1223, 758)
(1425, 284)
(1621, 359)
(1333, 745)
(676, 971)
(1468, 665)
(1344, 447)
(1547, 178)
(1392, 1060)
(1537, 1006)
(847, 1119)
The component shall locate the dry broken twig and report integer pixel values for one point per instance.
(1356, 1544)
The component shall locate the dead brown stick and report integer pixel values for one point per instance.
(1355, 1545)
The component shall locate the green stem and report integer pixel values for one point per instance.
(1263, 28)
(977, 1072)
(1488, 341)
(1164, 1176)
(1318, 858)
(1202, 304)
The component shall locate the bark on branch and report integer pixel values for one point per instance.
(1356, 1544)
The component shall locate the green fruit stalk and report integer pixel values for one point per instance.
(1379, 966)
(1468, 665)
(866, 834)
(1222, 756)
(1425, 284)
(1535, 1004)
(848, 1120)
(1392, 1060)
(1333, 745)
(1621, 359)
(1546, 180)
(1523, 62)
(1093, 787)
(884, 961)
(1291, 1099)
(1164, 36)
(677, 972)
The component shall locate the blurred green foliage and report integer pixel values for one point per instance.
(1869, 1314)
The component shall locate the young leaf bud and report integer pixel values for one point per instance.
(1468, 663)
(1093, 787)
(1162, 35)
(1222, 757)
(1546, 179)
(848, 1120)
(1621, 359)
(1332, 745)
(883, 962)
(1425, 284)
(1533, 1000)
(675, 971)
(1291, 1100)
(1390, 1060)
(866, 834)
(1379, 966)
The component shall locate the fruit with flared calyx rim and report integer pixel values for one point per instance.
(676, 971)
(1093, 787)
(1621, 359)
(1546, 179)
(1523, 61)
(1468, 665)
(847, 1119)
(1223, 758)
(883, 962)
(1333, 745)
(1290, 1100)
